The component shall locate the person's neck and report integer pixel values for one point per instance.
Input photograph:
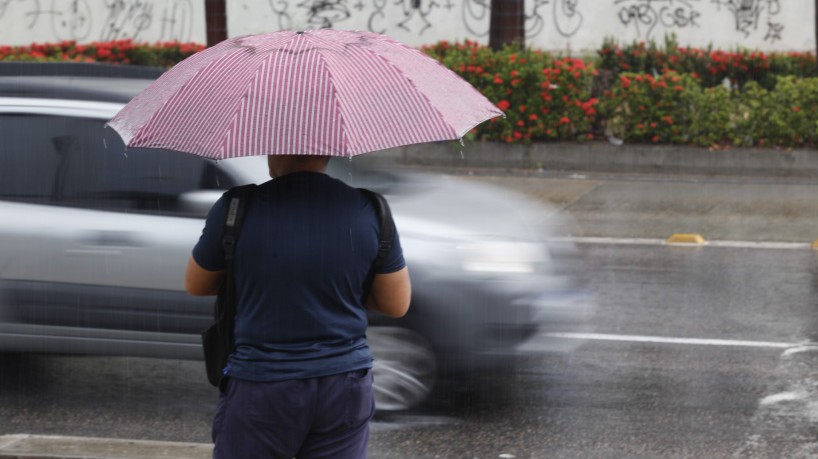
(284, 165)
(293, 170)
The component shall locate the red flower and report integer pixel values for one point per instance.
(796, 109)
(503, 105)
(565, 120)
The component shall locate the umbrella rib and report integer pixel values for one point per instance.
(341, 137)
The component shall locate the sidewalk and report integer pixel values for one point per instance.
(58, 447)
(538, 161)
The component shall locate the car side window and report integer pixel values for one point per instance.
(29, 160)
(78, 162)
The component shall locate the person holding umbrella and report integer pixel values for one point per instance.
(298, 382)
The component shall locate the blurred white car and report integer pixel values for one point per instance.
(94, 240)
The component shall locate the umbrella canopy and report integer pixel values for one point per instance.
(319, 92)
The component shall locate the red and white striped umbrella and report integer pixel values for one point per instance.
(319, 92)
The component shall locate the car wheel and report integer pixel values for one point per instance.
(404, 367)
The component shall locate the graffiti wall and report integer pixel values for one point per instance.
(23, 22)
(550, 24)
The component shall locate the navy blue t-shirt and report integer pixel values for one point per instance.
(303, 254)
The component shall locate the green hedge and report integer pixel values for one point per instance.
(677, 109)
(638, 92)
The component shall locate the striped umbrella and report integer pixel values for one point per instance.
(320, 92)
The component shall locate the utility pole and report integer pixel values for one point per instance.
(507, 23)
(216, 21)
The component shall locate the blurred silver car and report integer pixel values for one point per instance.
(94, 240)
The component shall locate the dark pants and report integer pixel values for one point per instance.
(326, 417)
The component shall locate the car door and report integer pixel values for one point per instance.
(94, 236)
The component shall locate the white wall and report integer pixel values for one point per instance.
(551, 24)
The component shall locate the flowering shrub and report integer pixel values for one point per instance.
(544, 98)
(644, 108)
(711, 66)
(715, 116)
(786, 116)
(163, 54)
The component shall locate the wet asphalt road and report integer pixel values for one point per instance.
(693, 352)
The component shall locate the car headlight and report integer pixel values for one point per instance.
(502, 257)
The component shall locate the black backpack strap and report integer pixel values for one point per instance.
(386, 234)
(236, 201)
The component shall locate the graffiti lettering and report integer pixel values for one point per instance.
(177, 21)
(535, 21)
(325, 13)
(475, 16)
(74, 19)
(647, 15)
(4, 5)
(567, 17)
(413, 9)
(748, 14)
(279, 8)
(378, 14)
(774, 32)
(126, 19)
(678, 17)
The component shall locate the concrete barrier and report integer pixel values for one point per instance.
(606, 157)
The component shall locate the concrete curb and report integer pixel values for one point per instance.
(605, 157)
(60, 447)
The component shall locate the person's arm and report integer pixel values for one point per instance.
(391, 293)
(200, 281)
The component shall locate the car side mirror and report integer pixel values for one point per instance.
(198, 203)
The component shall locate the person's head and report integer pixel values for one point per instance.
(286, 164)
